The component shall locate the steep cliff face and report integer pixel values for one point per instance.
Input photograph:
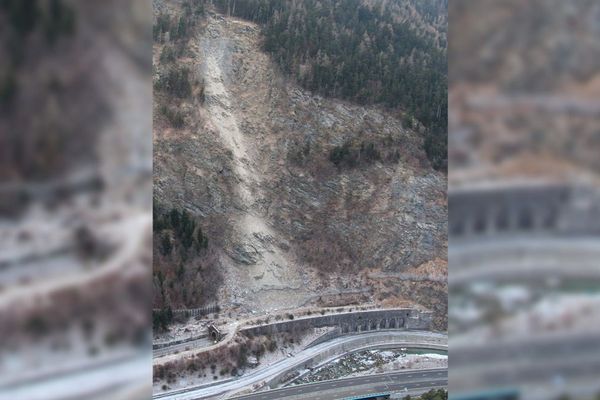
(306, 200)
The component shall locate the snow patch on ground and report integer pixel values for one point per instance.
(374, 361)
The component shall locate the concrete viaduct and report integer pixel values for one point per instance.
(343, 323)
(349, 322)
(535, 208)
(523, 232)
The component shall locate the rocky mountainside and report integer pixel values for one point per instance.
(522, 46)
(305, 200)
(524, 92)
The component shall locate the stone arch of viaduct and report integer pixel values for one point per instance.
(373, 324)
(349, 322)
(551, 208)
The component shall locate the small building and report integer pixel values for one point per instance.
(214, 333)
(252, 362)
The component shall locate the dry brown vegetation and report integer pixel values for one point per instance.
(111, 307)
(185, 262)
(225, 360)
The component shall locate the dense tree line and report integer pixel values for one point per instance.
(30, 34)
(54, 18)
(366, 152)
(348, 49)
(176, 82)
(181, 227)
(178, 27)
(169, 54)
(175, 117)
(172, 29)
(185, 267)
(161, 319)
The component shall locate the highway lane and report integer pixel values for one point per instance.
(100, 380)
(530, 376)
(533, 258)
(542, 362)
(542, 347)
(366, 340)
(341, 388)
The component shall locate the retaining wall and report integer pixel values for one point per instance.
(357, 321)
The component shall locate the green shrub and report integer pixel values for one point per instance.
(175, 118)
(165, 244)
(176, 82)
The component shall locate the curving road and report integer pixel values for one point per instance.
(524, 258)
(116, 377)
(545, 363)
(409, 381)
(553, 361)
(177, 350)
(332, 348)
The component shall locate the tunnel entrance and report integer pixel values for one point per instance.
(214, 333)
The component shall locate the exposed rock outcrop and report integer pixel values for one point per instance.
(254, 160)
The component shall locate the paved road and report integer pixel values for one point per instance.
(233, 327)
(342, 388)
(536, 348)
(537, 362)
(125, 231)
(409, 339)
(176, 348)
(108, 379)
(552, 361)
(524, 258)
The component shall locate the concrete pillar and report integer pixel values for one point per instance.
(550, 218)
(513, 219)
(490, 221)
(479, 222)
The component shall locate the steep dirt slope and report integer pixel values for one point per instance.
(292, 227)
(266, 263)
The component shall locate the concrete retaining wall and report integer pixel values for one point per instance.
(535, 208)
(358, 321)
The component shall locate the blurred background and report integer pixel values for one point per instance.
(524, 199)
(75, 199)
